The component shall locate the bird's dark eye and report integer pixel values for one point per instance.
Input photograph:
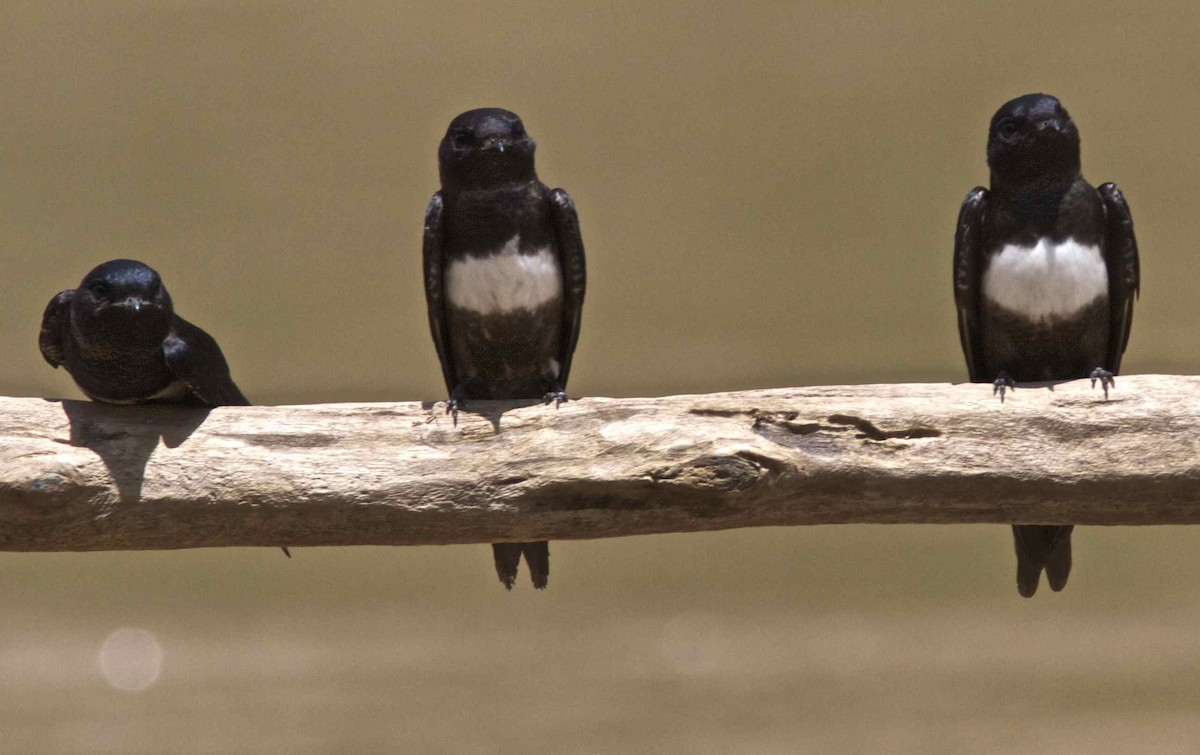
(100, 290)
(518, 131)
(461, 140)
(1006, 128)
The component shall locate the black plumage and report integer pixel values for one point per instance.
(504, 280)
(118, 336)
(1045, 276)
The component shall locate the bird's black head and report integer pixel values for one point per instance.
(485, 148)
(1033, 141)
(122, 302)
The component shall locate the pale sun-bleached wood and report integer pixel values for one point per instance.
(81, 476)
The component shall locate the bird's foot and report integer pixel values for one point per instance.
(1106, 378)
(558, 397)
(286, 552)
(456, 403)
(1002, 383)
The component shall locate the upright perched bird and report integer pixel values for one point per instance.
(504, 280)
(1045, 275)
(121, 341)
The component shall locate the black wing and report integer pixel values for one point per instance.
(1124, 276)
(196, 359)
(435, 289)
(574, 272)
(968, 263)
(54, 319)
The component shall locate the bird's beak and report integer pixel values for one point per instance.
(132, 303)
(1052, 124)
(496, 144)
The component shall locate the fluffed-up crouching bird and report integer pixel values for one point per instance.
(1045, 276)
(504, 281)
(118, 336)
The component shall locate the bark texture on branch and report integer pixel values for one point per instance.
(81, 476)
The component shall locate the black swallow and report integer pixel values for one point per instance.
(121, 341)
(1045, 276)
(504, 280)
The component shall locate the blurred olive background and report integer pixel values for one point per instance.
(767, 192)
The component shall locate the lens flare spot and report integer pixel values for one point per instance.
(130, 659)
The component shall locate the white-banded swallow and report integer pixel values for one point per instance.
(118, 336)
(504, 280)
(1045, 276)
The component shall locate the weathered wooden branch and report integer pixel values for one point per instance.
(81, 476)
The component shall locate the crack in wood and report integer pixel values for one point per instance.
(868, 430)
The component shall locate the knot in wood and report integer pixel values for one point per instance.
(715, 473)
